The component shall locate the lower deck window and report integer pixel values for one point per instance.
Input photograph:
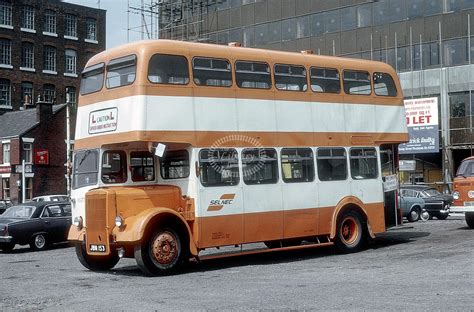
(363, 163)
(114, 167)
(297, 165)
(175, 165)
(260, 166)
(142, 166)
(332, 164)
(219, 167)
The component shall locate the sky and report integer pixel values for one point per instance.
(116, 19)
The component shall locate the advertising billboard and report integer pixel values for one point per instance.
(422, 122)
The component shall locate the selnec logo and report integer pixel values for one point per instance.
(218, 204)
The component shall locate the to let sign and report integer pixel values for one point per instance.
(422, 123)
(41, 157)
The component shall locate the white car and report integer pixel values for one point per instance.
(50, 198)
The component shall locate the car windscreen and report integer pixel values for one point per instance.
(23, 212)
(86, 168)
(466, 169)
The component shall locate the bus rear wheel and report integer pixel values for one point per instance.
(95, 263)
(469, 216)
(350, 232)
(161, 254)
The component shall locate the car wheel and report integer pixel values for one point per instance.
(7, 247)
(95, 263)
(161, 254)
(39, 242)
(442, 216)
(414, 214)
(350, 232)
(469, 216)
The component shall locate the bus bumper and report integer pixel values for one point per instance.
(461, 209)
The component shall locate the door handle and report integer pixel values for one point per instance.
(46, 222)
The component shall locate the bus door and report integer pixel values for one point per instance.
(389, 164)
(220, 198)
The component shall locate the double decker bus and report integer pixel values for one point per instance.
(182, 147)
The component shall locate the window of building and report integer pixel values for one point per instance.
(27, 55)
(6, 188)
(223, 37)
(92, 78)
(50, 21)
(397, 10)
(212, 72)
(455, 52)
(142, 166)
(325, 80)
(349, 18)
(114, 167)
(333, 21)
(121, 71)
(5, 52)
(364, 15)
(71, 59)
(6, 153)
(175, 164)
(168, 69)
(71, 95)
(5, 93)
(91, 29)
(363, 163)
(458, 105)
(28, 152)
(297, 165)
(384, 85)
(249, 36)
(49, 93)
(431, 56)
(27, 93)
(468, 4)
(219, 167)
(433, 7)
(381, 12)
(261, 34)
(49, 59)
(5, 14)
(254, 75)
(332, 164)
(260, 166)
(290, 77)
(274, 33)
(303, 29)
(288, 29)
(28, 188)
(71, 26)
(414, 8)
(317, 24)
(357, 82)
(28, 17)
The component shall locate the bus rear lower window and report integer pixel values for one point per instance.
(175, 165)
(219, 167)
(86, 168)
(121, 71)
(168, 69)
(290, 78)
(212, 72)
(363, 163)
(253, 75)
(332, 164)
(142, 166)
(357, 82)
(384, 85)
(260, 166)
(325, 80)
(297, 165)
(114, 167)
(92, 79)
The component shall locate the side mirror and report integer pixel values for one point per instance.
(160, 150)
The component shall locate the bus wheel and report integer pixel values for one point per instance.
(95, 263)
(350, 233)
(161, 254)
(469, 216)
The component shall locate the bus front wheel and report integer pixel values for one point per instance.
(469, 216)
(350, 232)
(95, 263)
(161, 254)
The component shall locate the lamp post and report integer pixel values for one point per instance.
(68, 144)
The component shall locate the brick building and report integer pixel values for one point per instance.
(22, 137)
(44, 45)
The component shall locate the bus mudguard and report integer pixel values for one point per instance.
(348, 203)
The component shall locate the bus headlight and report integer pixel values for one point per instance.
(78, 222)
(118, 221)
(456, 195)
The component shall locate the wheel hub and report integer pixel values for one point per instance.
(39, 241)
(164, 248)
(349, 230)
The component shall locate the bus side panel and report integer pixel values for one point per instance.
(300, 212)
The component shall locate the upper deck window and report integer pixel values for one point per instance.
(290, 78)
(92, 78)
(357, 82)
(212, 72)
(253, 75)
(384, 85)
(168, 69)
(121, 71)
(325, 80)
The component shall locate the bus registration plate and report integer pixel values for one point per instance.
(96, 248)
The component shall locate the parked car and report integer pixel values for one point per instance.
(412, 206)
(50, 198)
(35, 223)
(4, 204)
(436, 204)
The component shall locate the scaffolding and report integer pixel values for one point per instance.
(186, 20)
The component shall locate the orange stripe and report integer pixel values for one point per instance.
(215, 207)
(267, 139)
(228, 196)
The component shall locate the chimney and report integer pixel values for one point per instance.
(44, 110)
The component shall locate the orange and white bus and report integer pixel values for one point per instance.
(182, 147)
(463, 191)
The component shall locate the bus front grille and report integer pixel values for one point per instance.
(97, 236)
